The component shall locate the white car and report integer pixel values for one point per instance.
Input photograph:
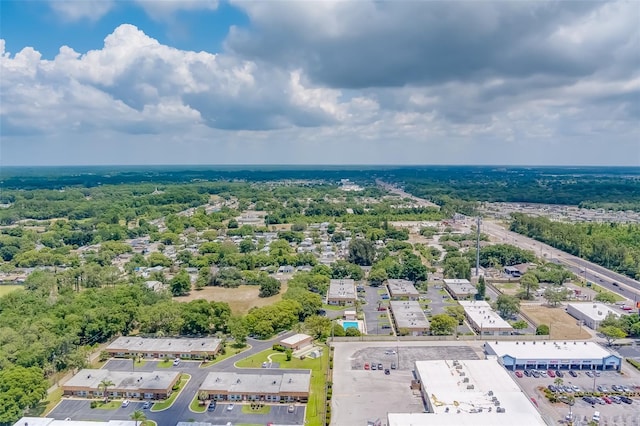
(125, 403)
(176, 362)
(230, 407)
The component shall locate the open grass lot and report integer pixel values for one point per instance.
(229, 352)
(561, 324)
(508, 288)
(240, 299)
(6, 289)
(159, 406)
(318, 367)
(196, 406)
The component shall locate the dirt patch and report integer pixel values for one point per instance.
(561, 324)
(240, 299)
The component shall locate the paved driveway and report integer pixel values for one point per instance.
(371, 312)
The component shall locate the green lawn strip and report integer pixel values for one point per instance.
(246, 408)
(46, 405)
(598, 289)
(165, 363)
(382, 291)
(318, 366)
(196, 406)
(159, 406)
(111, 405)
(229, 353)
(333, 307)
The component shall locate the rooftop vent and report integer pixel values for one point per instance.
(470, 387)
(490, 393)
(500, 410)
(465, 380)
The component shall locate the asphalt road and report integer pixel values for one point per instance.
(624, 286)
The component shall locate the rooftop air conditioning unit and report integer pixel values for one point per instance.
(465, 380)
(490, 393)
(500, 410)
(462, 374)
(458, 367)
(470, 387)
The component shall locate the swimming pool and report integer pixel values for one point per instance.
(349, 324)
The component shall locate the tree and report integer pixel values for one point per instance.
(612, 333)
(542, 330)
(361, 252)
(352, 331)
(554, 295)
(20, 388)
(138, 416)
(529, 283)
(519, 325)
(481, 288)
(377, 276)
(180, 284)
(269, 287)
(605, 297)
(238, 330)
(319, 327)
(457, 267)
(443, 325)
(104, 387)
(507, 305)
(455, 311)
(247, 246)
(311, 302)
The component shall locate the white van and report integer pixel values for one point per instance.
(596, 417)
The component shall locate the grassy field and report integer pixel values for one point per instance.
(196, 406)
(318, 367)
(240, 299)
(159, 406)
(561, 324)
(230, 351)
(111, 405)
(6, 289)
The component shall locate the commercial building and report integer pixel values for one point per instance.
(342, 292)
(470, 392)
(285, 387)
(402, 290)
(553, 354)
(47, 421)
(126, 384)
(484, 320)
(409, 318)
(460, 289)
(188, 348)
(297, 342)
(591, 314)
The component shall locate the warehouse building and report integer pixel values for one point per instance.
(126, 384)
(409, 318)
(402, 290)
(484, 320)
(342, 292)
(285, 387)
(469, 392)
(460, 289)
(591, 314)
(187, 348)
(297, 342)
(545, 355)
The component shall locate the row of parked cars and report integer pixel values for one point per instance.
(607, 399)
(379, 366)
(551, 373)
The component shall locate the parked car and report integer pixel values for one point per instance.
(616, 388)
(615, 399)
(543, 373)
(212, 406)
(230, 407)
(374, 366)
(291, 408)
(589, 373)
(551, 373)
(380, 367)
(518, 373)
(125, 403)
(146, 405)
(535, 373)
(559, 373)
(393, 366)
(527, 373)
(264, 364)
(366, 365)
(596, 373)
(387, 371)
(176, 362)
(552, 388)
(575, 388)
(573, 373)
(626, 400)
(602, 388)
(607, 399)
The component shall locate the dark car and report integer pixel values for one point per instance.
(387, 371)
(212, 406)
(559, 373)
(573, 373)
(552, 388)
(626, 400)
(527, 373)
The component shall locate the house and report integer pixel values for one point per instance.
(402, 290)
(409, 318)
(460, 289)
(297, 342)
(484, 320)
(342, 292)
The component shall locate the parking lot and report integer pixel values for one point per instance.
(360, 395)
(610, 413)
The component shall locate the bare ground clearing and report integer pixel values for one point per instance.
(561, 324)
(240, 299)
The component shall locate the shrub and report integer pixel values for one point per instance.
(94, 404)
(279, 348)
(633, 362)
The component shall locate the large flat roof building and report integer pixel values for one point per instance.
(469, 392)
(591, 314)
(190, 348)
(297, 341)
(127, 384)
(460, 289)
(553, 354)
(484, 320)
(342, 292)
(409, 317)
(288, 387)
(402, 290)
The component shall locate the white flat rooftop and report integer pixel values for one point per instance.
(595, 311)
(483, 315)
(296, 338)
(548, 350)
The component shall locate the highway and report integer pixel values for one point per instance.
(612, 281)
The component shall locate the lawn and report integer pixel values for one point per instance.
(240, 299)
(159, 406)
(598, 289)
(111, 405)
(318, 367)
(265, 409)
(46, 405)
(165, 363)
(6, 289)
(229, 352)
(195, 405)
(562, 326)
(333, 307)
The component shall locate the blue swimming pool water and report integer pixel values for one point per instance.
(347, 324)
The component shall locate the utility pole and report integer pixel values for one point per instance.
(478, 247)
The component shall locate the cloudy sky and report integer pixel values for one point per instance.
(319, 82)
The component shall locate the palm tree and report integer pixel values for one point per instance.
(138, 416)
(104, 385)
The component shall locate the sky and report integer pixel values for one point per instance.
(402, 82)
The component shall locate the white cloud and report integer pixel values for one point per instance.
(163, 10)
(75, 10)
